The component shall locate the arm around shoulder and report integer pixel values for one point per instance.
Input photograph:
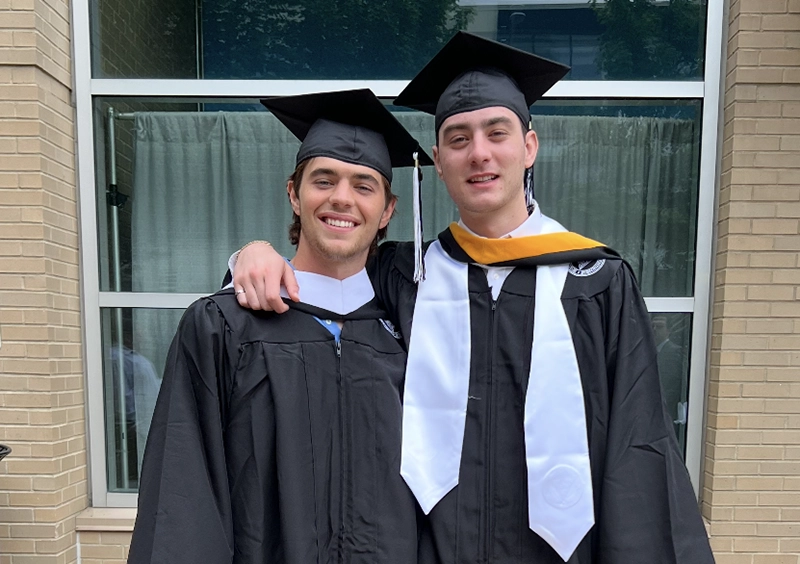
(258, 274)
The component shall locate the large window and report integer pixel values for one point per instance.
(176, 174)
(390, 39)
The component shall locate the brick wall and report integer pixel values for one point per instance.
(43, 482)
(752, 480)
(104, 535)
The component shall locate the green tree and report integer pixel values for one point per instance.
(346, 39)
(648, 39)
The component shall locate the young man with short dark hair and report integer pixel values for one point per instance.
(534, 430)
(276, 439)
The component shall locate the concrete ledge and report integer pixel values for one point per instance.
(116, 519)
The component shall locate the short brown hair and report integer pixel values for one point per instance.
(294, 228)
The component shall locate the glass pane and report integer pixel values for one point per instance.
(673, 332)
(625, 173)
(199, 184)
(605, 39)
(132, 368)
(139, 39)
(390, 39)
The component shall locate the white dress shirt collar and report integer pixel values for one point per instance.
(531, 226)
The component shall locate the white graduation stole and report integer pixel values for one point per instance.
(560, 500)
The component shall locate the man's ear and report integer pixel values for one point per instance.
(435, 151)
(387, 213)
(531, 148)
(293, 197)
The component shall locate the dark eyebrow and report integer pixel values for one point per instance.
(321, 171)
(365, 176)
(486, 123)
(454, 127)
(496, 120)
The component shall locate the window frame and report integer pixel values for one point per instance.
(708, 91)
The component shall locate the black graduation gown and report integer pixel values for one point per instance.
(645, 508)
(270, 444)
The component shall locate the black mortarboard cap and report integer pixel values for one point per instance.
(471, 73)
(348, 125)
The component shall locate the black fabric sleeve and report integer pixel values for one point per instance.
(184, 512)
(384, 277)
(649, 511)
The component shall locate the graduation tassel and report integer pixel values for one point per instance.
(419, 260)
(529, 199)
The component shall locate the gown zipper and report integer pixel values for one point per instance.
(342, 449)
(490, 430)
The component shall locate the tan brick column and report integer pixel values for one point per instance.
(752, 479)
(43, 483)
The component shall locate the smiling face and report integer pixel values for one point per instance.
(481, 156)
(341, 207)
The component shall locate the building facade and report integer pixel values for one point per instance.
(93, 96)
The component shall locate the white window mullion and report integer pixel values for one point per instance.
(121, 499)
(155, 300)
(584, 89)
(236, 88)
(716, 42)
(150, 300)
(604, 89)
(90, 281)
(669, 305)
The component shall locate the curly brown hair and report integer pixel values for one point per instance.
(294, 227)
